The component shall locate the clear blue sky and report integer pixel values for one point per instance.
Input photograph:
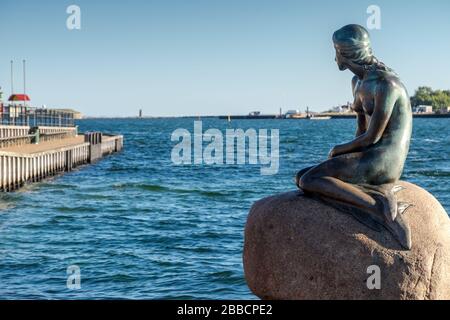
(198, 57)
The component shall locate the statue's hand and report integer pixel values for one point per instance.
(336, 151)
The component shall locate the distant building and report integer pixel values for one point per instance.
(255, 113)
(423, 109)
(76, 114)
(342, 109)
(291, 113)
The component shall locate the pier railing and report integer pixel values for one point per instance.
(20, 135)
(19, 115)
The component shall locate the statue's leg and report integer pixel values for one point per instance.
(336, 180)
(328, 180)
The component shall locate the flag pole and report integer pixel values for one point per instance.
(12, 78)
(24, 83)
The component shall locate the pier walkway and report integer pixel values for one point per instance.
(23, 162)
(44, 146)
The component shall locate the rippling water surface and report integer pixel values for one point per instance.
(140, 227)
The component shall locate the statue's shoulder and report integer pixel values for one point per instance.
(387, 80)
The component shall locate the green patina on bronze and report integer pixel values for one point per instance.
(359, 177)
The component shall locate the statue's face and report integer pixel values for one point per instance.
(340, 61)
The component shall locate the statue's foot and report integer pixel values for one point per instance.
(386, 199)
(401, 231)
(392, 211)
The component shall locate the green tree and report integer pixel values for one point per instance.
(440, 100)
(422, 96)
(427, 96)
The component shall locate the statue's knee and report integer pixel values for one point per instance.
(305, 181)
(300, 174)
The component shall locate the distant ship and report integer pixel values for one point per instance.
(319, 118)
(310, 116)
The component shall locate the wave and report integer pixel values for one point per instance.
(77, 209)
(431, 173)
(227, 277)
(161, 188)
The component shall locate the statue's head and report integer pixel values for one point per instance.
(352, 44)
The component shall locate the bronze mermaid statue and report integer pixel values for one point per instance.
(360, 176)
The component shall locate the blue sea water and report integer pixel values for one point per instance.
(140, 227)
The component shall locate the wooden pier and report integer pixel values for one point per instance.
(58, 150)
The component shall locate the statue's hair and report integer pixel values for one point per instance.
(353, 43)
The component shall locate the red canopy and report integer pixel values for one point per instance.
(19, 97)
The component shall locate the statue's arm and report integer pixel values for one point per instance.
(361, 118)
(358, 108)
(385, 98)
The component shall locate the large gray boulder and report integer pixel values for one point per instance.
(299, 248)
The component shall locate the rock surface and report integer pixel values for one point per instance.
(299, 248)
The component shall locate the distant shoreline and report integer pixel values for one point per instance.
(261, 117)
